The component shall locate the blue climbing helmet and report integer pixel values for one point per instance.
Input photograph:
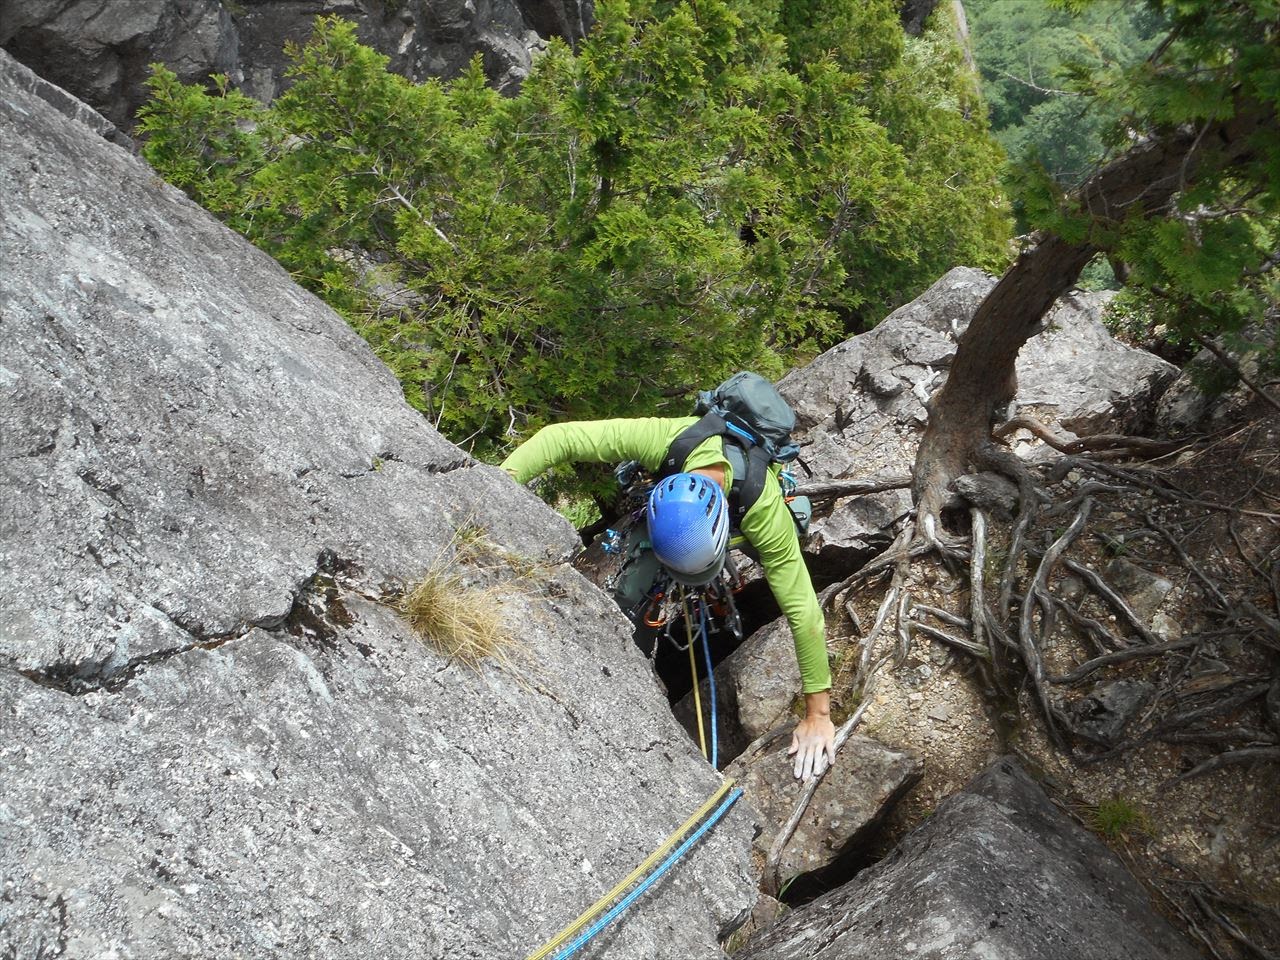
(689, 527)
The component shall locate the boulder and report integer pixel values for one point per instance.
(849, 804)
(997, 871)
(861, 407)
(219, 738)
(1076, 374)
(1207, 397)
(1143, 590)
(1105, 711)
(756, 686)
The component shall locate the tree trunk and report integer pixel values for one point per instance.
(982, 376)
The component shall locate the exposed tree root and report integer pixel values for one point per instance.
(1059, 617)
(1093, 444)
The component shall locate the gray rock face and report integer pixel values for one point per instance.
(997, 872)
(1073, 374)
(100, 50)
(849, 803)
(1076, 373)
(217, 738)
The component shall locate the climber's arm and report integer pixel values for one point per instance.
(595, 441)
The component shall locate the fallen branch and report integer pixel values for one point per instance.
(835, 489)
(1229, 758)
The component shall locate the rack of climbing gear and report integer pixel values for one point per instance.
(682, 615)
(609, 907)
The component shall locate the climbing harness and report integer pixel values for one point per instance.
(702, 611)
(573, 937)
(684, 615)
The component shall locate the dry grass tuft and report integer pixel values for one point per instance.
(462, 622)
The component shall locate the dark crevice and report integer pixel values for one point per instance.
(864, 849)
(314, 617)
(318, 612)
(450, 466)
(79, 679)
(102, 484)
(382, 459)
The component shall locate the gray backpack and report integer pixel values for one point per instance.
(756, 424)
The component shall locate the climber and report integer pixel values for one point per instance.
(691, 543)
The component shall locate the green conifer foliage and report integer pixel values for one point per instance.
(684, 195)
(1205, 266)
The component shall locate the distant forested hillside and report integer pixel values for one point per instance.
(1037, 59)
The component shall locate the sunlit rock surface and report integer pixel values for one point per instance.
(217, 738)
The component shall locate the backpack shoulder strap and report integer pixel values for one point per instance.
(747, 490)
(711, 425)
(748, 483)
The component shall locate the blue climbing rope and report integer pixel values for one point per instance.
(711, 679)
(649, 881)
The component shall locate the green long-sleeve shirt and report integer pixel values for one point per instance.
(767, 525)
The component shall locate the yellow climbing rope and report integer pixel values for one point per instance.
(693, 672)
(596, 908)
